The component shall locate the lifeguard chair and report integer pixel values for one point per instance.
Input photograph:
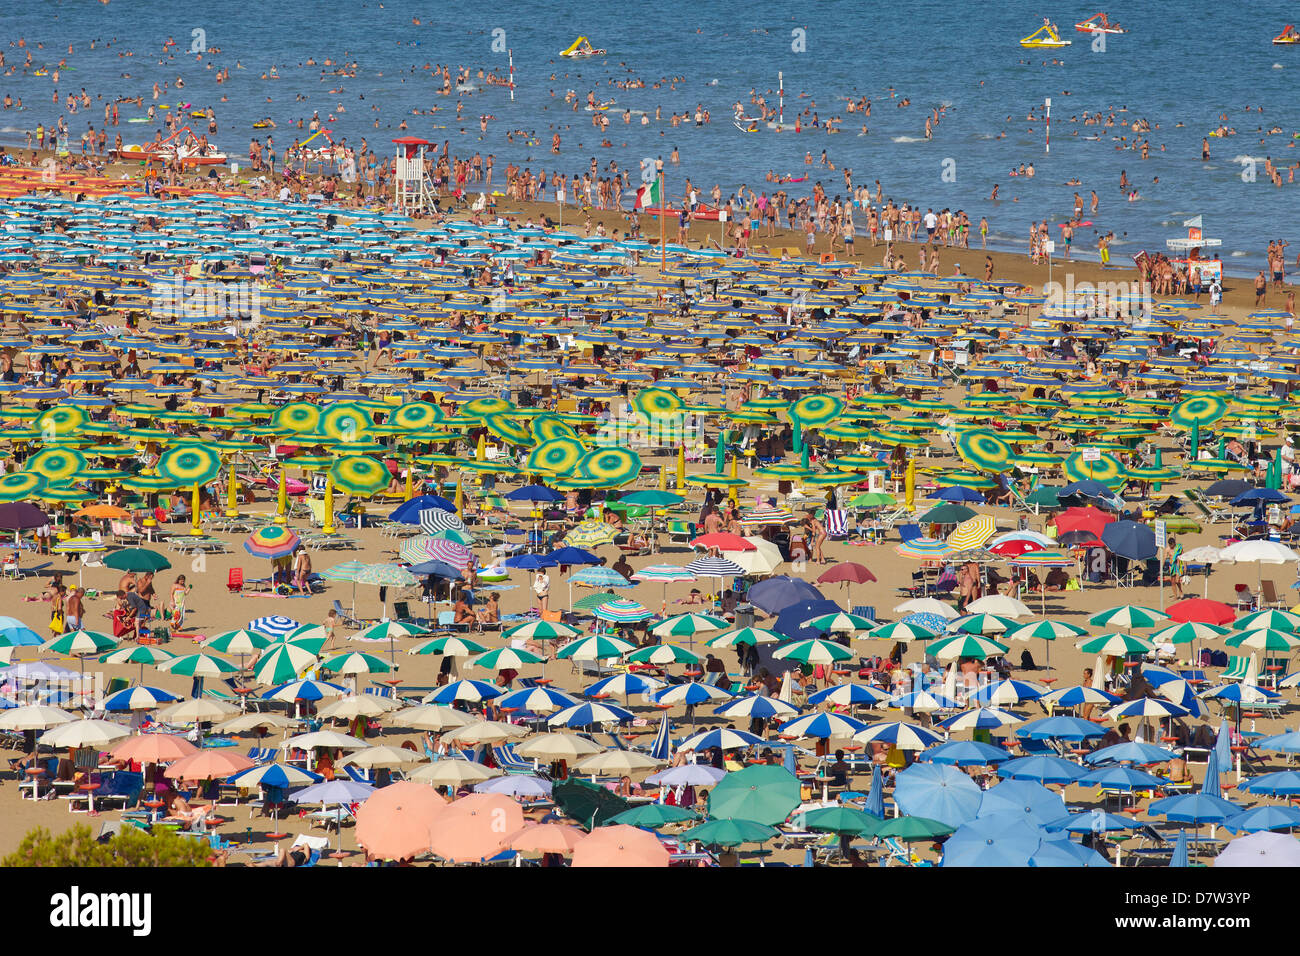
(412, 188)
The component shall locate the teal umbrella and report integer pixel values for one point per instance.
(720, 456)
(728, 832)
(843, 820)
(762, 794)
(653, 815)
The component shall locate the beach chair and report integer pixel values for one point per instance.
(357, 775)
(1238, 666)
(1268, 595)
(235, 581)
(864, 610)
(506, 759)
(908, 532)
(447, 622)
(345, 617)
(262, 755)
(836, 522)
(1207, 510)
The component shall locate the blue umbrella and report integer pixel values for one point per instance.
(1254, 496)
(753, 706)
(774, 595)
(662, 748)
(529, 562)
(724, 738)
(1043, 768)
(965, 753)
(1032, 801)
(536, 699)
(437, 569)
(408, 512)
(1287, 743)
(516, 785)
(957, 495)
(1212, 786)
(1194, 808)
(1132, 751)
(1002, 839)
(1223, 744)
(1001, 691)
(849, 695)
(571, 555)
(823, 725)
(1280, 783)
(1061, 727)
(1179, 857)
(1130, 539)
(790, 621)
(334, 792)
(465, 689)
(926, 619)
(1066, 853)
(875, 804)
(533, 493)
(304, 690)
(584, 715)
(274, 775)
(628, 684)
(1090, 821)
(1087, 488)
(138, 698)
(1264, 818)
(937, 792)
(1119, 777)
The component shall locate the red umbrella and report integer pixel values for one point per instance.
(1015, 548)
(1083, 519)
(850, 572)
(1203, 611)
(723, 541)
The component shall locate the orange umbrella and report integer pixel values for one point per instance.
(103, 511)
(154, 748)
(620, 845)
(476, 827)
(396, 823)
(546, 838)
(208, 765)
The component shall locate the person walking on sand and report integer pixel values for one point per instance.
(542, 589)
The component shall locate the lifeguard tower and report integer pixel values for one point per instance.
(412, 188)
(1191, 247)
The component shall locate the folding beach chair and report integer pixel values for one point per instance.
(836, 522)
(1238, 666)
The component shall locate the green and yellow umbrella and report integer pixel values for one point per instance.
(359, 475)
(558, 456)
(149, 483)
(65, 493)
(346, 421)
(1107, 469)
(834, 479)
(482, 407)
(190, 465)
(56, 464)
(508, 429)
(62, 420)
(985, 450)
(548, 427)
(657, 401)
(716, 481)
(614, 467)
(590, 534)
(297, 417)
(21, 485)
(812, 411)
(1199, 410)
(417, 415)
(966, 479)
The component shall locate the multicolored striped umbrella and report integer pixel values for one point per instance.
(665, 573)
(759, 517)
(923, 549)
(433, 520)
(599, 577)
(274, 625)
(387, 575)
(557, 456)
(623, 612)
(271, 542)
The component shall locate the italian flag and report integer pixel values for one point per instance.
(648, 195)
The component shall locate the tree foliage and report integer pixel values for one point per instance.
(129, 848)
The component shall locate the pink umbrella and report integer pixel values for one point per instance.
(457, 555)
(208, 765)
(620, 845)
(546, 838)
(476, 827)
(396, 823)
(154, 748)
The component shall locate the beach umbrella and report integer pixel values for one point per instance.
(1116, 645)
(745, 635)
(937, 792)
(467, 690)
(1194, 808)
(898, 734)
(972, 533)
(274, 775)
(359, 475)
(33, 717)
(474, 828)
(912, 828)
(980, 623)
(848, 695)
(153, 748)
(762, 794)
(622, 611)
(136, 559)
(690, 694)
(1000, 840)
(429, 717)
(358, 705)
(1077, 695)
(556, 746)
(138, 698)
(453, 773)
(1202, 610)
(1043, 768)
(662, 654)
(654, 815)
(396, 823)
(618, 762)
(965, 753)
(80, 642)
(590, 534)
(271, 542)
(1262, 818)
(1030, 800)
(729, 832)
(1119, 777)
(545, 838)
(1061, 727)
(620, 845)
(241, 642)
(981, 718)
(282, 662)
(1133, 751)
(1261, 849)
(198, 665)
(56, 464)
(722, 738)
(984, 450)
(624, 684)
(356, 663)
(19, 486)
(821, 725)
(1008, 692)
(757, 708)
(595, 648)
(208, 764)
(189, 465)
(840, 623)
(774, 595)
(905, 631)
(83, 733)
(966, 645)
(586, 714)
(813, 652)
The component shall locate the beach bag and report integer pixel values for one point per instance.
(56, 622)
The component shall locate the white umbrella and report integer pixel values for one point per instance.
(764, 559)
(197, 711)
(360, 705)
(383, 756)
(1258, 552)
(1206, 554)
(485, 732)
(323, 738)
(999, 604)
(33, 717)
(84, 733)
(246, 722)
(428, 717)
(928, 606)
(556, 747)
(454, 773)
(617, 761)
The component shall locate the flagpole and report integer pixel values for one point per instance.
(663, 213)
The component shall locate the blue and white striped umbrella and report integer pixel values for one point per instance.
(757, 708)
(1079, 694)
(847, 695)
(275, 625)
(624, 685)
(982, 718)
(1008, 692)
(304, 690)
(538, 700)
(690, 693)
(1147, 707)
(274, 775)
(662, 748)
(724, 738)
(823, 726)
(138, 698)
(922, 701)
(714, 567)
(584, 715)
(465, 689)
(901, 735)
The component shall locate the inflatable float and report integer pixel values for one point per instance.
(1288, 36)
(581, 47)
(747, 124)
(1044, 36)
(702, 212)
(1099, 23)
(494, 575)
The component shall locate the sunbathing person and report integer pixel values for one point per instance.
(296, 856)
(195, 817)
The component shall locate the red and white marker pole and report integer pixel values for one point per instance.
(511, 56)
(1048, 147)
